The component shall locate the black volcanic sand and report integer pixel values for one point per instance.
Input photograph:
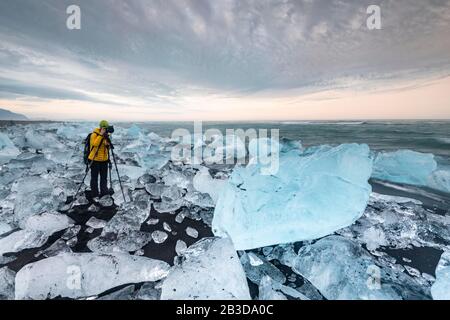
(423, 259)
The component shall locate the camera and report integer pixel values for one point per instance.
(110, 129)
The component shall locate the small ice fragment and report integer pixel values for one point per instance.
(96, 223)
(191, 232)
(93, 208)
(255, 260)
(71, 232)
(159, 236)
(152, 222)
(180, 247)
(180, 217)
(106, 201)
(167, 227)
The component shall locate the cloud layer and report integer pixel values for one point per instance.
(170, 57)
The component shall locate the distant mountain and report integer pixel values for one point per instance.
(8, 115)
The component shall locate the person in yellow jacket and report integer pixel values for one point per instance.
(99, 155)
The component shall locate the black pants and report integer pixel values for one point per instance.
(99, 169)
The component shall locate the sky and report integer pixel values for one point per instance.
(158, 60)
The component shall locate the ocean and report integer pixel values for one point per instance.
(422, 136)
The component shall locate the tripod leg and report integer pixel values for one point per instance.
(118, 175)
(79, 188)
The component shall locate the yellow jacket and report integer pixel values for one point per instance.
(98, 143)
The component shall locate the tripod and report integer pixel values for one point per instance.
(89, 166)
(111, 148)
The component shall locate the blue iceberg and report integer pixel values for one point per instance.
(312, 195)
(404, 166)
(413, 168)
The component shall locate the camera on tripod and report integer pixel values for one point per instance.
(110, 129)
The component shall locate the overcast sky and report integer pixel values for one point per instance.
(225, 59)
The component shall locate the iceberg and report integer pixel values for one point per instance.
(7, 149)
(210, 269)
(79, 275)
(404, 166)
(343, 270)
(312, 195)
(441, 288)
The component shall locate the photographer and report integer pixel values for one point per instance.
(99, 156)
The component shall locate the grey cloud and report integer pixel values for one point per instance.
(162, 47)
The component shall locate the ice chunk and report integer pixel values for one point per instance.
(256, 271)
(96, 223)
(167, 227)
(134, 131)
(153, 161)
(342, 270)
(172, 193)
(210, 269)
(7, 149)
(49, 222)
(129, 217)
(152, 222)
(267, 290)
(272, 290)
(129, 241)
(404, 166)
(155, 190)
(7, 278)
(93, 208)
(311, 195)
(60, 246)
(159, 236)
(204, 183)
(124, 294)
(71, 232)
(106, 201)
(180, 247)
(199, 199)
(21, 240)
(132, 172)
(441, 288)
(149, 291)
(34, 140)
(440, 180)
(191, 232)
(84, 274)
(165, 207)
(174, 178)
(34, 196)
(374, 238)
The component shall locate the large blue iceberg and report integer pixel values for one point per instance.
(404, 166)
(313, 194)
(411, 167)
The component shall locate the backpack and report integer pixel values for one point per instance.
(87, 149)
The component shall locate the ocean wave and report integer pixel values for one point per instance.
(445, 140)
